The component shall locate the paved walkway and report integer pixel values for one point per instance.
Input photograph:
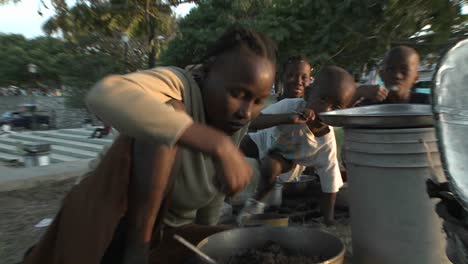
(23, 178)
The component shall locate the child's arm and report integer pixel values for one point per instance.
(374, 93)
(270, 120)
(281, 113)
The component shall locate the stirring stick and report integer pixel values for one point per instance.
(300, 114)
(195, 249)
(431, 164)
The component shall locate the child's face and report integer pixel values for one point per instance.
(233, 96)
(296, 79)
(400, 70)
(342, 98)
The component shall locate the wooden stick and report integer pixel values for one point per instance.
(195, 249)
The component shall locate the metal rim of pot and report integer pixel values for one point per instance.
(437, 98)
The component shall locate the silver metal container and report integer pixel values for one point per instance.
(37, 154)
(451, 112)
(299, 240)
(36, 159)
(381, 116)
(304, 185)
(275, 197)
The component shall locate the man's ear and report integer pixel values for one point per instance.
(417, 77)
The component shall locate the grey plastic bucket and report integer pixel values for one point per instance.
(392, 218)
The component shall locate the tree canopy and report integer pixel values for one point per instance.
(100, 37)
(348, 33)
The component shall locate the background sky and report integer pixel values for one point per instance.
(23, 18)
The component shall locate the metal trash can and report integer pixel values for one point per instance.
(392, 218)
(37, 154)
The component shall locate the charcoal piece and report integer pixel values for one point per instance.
(270, 253)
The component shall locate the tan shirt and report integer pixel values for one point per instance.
(135, 105)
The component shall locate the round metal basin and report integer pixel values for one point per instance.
(299, 240)
(304, 185)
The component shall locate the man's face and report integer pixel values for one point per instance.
(400, 70)
(235, 89)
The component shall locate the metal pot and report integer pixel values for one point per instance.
(380, 116)
(304, 185)
(300, 240)
(275, 197)
(267, 220)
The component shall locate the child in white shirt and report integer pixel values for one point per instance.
(312, 143)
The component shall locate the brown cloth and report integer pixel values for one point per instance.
(91, 213)
(91, 225)
(85, 225)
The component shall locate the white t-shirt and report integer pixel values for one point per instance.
(298, 144)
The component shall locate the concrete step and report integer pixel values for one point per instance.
(59, 142)
(10, 157)
(67, 151)
(84, 132)
(62, 158)
(57, 149)
(9, 149)
(76, 138)
(76, 131)
(55, 158)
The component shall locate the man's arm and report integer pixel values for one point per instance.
(270, 120)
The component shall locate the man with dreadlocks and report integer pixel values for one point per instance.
(170, 169)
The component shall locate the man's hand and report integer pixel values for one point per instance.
(233, 172)
(136, 255)
(251, 207)
(375, 93)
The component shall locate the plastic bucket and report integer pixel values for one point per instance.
(392, 218)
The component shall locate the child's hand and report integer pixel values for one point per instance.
(302, 116)
(375, 93)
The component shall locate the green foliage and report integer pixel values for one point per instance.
(348, 33)
(61, 63)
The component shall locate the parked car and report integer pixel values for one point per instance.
(424, 87)
(23, 117)
(424, 84)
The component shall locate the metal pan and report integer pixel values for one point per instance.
(381, 116)
(451, 114)
(299, 240)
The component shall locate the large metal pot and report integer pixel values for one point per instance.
(267, 219)
(299, 240)
(380, 116)
(304, 185)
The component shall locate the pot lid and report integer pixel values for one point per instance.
(450, 107)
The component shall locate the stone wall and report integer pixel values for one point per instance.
(66, 117)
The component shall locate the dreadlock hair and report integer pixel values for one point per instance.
(236, 38)
(295, 59)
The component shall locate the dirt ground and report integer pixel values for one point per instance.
(21, 210)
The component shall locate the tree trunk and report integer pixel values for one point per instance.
(151, 22)
(152, 44)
